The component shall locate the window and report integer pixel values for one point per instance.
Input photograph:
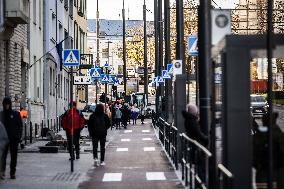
(34, 11)
(53, 27)
(105, 53)
(71, 9)
(66, 42)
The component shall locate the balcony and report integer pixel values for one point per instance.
(17, 11)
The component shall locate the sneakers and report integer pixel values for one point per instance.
(103, 163)
(96, 162)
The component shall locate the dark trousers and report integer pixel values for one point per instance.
(142, 119)
(117, 122)
(14, 154)
(134, 120)
(96, 141)
(76, 139)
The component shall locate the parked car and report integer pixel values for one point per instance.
(259, 105)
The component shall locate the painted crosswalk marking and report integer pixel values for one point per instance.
(146, 139)
(112, 177)
(122, 149)
(125, 140)
(128, 131)
(149, 149)
(155, 176)
(145, 131)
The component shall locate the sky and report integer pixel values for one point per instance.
(111, 9)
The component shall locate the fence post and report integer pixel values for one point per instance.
(48, 123)
(57, 122)
(31, 132)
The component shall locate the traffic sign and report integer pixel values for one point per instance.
(94, 73)
(165, 74)
(111, 80)
(170, 68)
(105, 78)
(82, 80)
(106, 65)
(192, 45)
(71, 57)
(160, 80)
(177, 67)
(111, 70)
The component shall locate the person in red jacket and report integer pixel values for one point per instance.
(73, 115)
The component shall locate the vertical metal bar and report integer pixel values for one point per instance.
(124, 48)
(145, 56)
(269, 90)
(180, 33)
(25, 133)
(204, 46)
(160, 33)
(156, 54)
(98, 46)
(72, 121)
(31, 132)
(168, 87)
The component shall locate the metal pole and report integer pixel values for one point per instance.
(145, 57)
(156, 53)
(98, 47)
(160, 30)
(168, 87)
(204, 66)
(124, 48)
(269, 90)
(72, 128)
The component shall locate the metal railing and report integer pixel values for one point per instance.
(193, 158)
(168, 136)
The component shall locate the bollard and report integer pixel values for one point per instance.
(54, 124)
(25, 125)
(36, 130)
(41, 129)
(48, 123)
(31, 132)
(57, 122)
(51, 127)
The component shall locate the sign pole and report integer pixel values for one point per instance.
(72, 128)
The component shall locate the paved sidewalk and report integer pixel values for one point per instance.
(134, 160)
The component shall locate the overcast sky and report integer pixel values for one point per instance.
(111, 9)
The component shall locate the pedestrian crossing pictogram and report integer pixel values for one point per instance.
(160, 80)
(105, 78)
(94, 72)
(165, 74)
(71, 57)
(170, 68)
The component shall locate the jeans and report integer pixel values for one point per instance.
(76, 139)
(96, 141)
(14, 155)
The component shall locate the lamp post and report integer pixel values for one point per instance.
(98, 46)
(124, 48)
(145, 99)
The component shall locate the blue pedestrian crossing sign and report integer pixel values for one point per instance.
(94, 73)
(192, 45)
(160, 80)
(106, 65)
(165, 74)
(71, 57)
(105, 78)
(170, 69)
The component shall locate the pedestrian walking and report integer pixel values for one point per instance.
(73, 116)
(4, 140)
(117, 117)
(124, 117)
(134, 114)
(192, 126)
(14, 126)
(98, 125)
(142, 113)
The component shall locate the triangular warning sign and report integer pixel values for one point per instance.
(105, 79)
(96, 74)
(71, 58)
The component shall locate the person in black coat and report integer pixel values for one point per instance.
(98, 125)
(191, 125)
(14, 127)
